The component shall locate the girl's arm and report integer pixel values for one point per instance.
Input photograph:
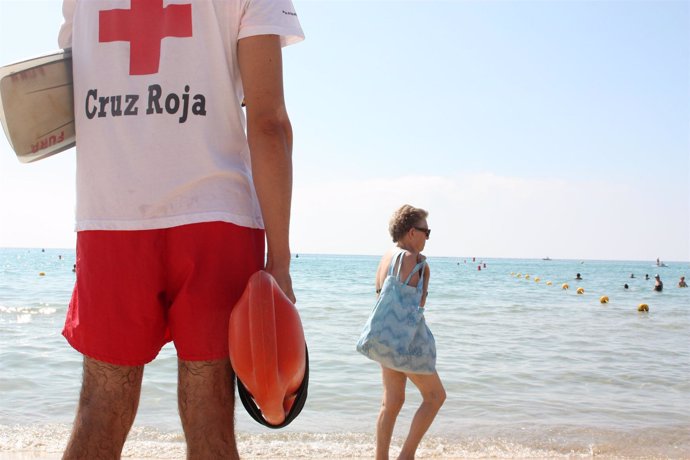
(381, 274)
(425, 288)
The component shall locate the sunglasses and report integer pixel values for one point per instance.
(427, 231)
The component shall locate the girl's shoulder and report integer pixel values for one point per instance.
(414, 257)
(407, 259)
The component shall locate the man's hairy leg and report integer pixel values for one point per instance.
(206, 399)
(107, 406)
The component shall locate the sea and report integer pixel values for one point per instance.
(532, 370)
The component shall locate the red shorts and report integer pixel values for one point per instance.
(138, 290)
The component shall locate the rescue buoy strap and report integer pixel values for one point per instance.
(255, 413)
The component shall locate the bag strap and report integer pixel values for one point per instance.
(396, 260)
(416, 268)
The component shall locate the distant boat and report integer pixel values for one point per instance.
(546, 258)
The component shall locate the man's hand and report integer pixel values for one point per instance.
(282, 276)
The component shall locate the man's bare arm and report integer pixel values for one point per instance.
(270, 143)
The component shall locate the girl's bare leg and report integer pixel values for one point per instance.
(393, 399)
(433, 396)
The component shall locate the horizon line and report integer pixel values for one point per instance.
(297, 254)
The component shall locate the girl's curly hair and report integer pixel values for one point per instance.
(404, 219)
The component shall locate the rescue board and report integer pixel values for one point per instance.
(37, 105)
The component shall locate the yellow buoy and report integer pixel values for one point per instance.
(536, 279)
(519, 275)
(580, 290)
(549, 283)
(526, 277)
(565, 286)
(604, 299)
(41, 273)
(643, 307)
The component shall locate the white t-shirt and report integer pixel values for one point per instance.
(157, 90)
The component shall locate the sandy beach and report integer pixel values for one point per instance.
(268, 448)
(141, 445)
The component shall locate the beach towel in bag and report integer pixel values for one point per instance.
(396, 334)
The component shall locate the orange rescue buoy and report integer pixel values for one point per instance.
(268, 353)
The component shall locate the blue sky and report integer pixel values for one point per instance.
(527, 129)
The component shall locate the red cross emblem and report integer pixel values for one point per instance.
(144, 26)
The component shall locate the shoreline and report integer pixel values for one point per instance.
(21, 442)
